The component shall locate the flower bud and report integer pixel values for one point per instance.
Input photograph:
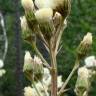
(29, 13)
(27, 35)
(24, 24)
(28, 5)
(57, 20)
(44, 18)
(28, 66)
(82, 82)
(33, 68)
(28, 62)
(84, 46)
(38, 68)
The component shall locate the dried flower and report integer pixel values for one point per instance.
(90, 62)
(1, 63)
(84, 46)
(28, 5)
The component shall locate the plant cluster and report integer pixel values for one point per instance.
(47, 20)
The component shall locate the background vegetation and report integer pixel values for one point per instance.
(82, 20)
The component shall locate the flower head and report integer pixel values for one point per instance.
(84, 46)
(90, 62)
(83, 72)
(24, 24)
(82, 83)
(28, 91)
(44, 3)
(44, 14)
(37, 60)
(33, 67)
(61, 6)
(59, 81)
(28, 61)
(27, 5)
(87, 39)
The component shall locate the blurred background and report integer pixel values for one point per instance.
(82, 20)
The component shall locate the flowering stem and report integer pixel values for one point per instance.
(69, 77)
(53, 72)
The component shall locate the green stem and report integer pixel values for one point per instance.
(69, 77)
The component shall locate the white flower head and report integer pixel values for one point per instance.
(28, 61)
(83, 72)
(46, 73)
(1, 63)
(37, 60)
(28, 91)
(44, 14)
(27, 57)
(24, 24)
(87, 38)
(44, 3)
(48, 3)
(90, 62)
(27, 4)
(59, 81)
